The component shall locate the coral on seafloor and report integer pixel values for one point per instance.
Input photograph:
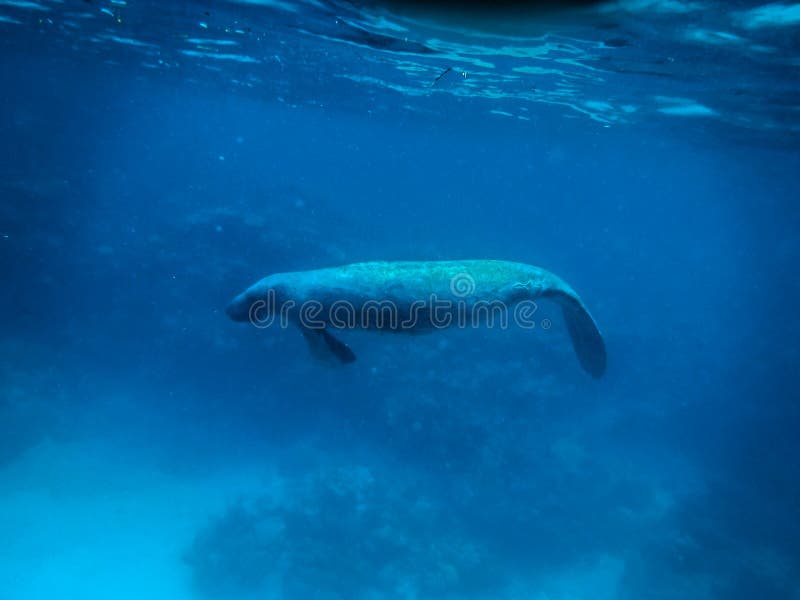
(339, 533)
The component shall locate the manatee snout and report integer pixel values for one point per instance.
(238, 309)
(255, 304)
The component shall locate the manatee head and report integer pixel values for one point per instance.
(257, 304)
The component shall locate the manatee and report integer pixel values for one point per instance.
(412, 297)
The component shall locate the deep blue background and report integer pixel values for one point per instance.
(133, 208)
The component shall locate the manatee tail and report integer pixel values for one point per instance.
(586, 338)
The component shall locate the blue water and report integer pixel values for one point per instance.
(156, 158)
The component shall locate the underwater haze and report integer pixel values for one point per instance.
(157, 158)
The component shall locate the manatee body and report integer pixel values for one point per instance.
(411, 297)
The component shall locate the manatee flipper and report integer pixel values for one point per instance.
(325, 346)
(586, 338)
